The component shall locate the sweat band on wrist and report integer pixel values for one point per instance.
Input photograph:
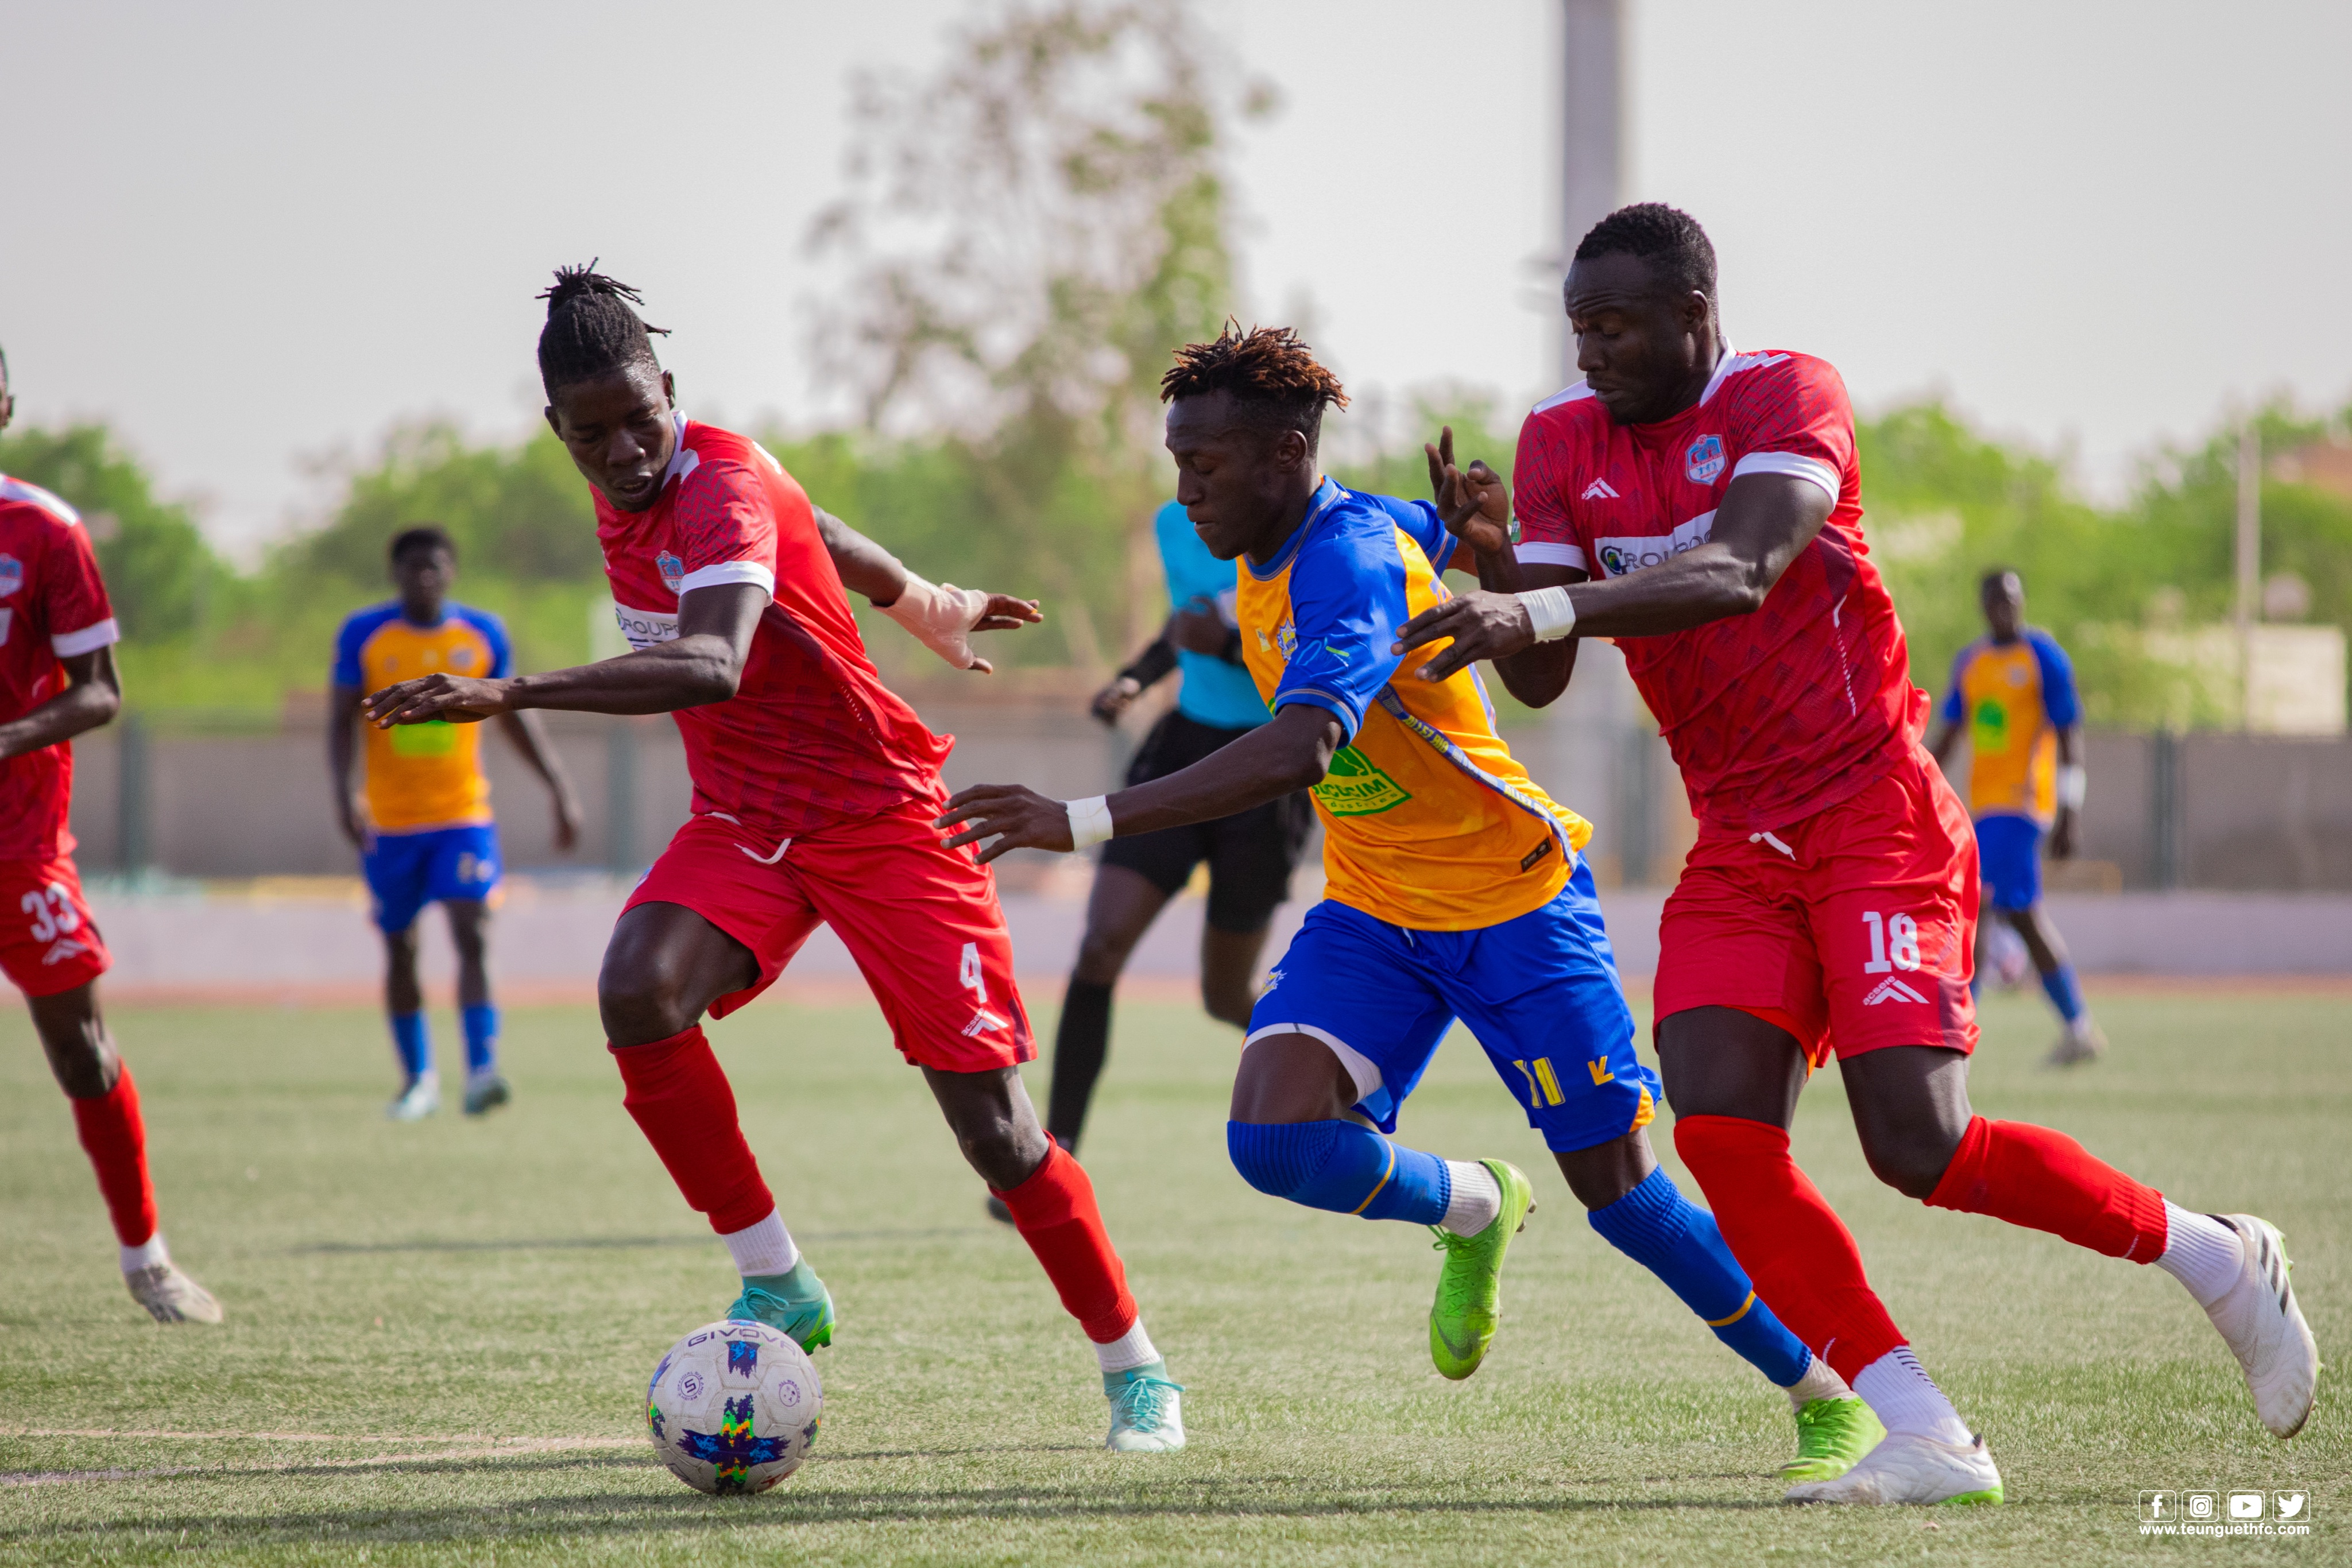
(2073, 786)
(1550, 611)
(1089, 820)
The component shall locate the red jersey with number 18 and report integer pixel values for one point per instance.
(1773, 716)
(53, 607)
(811, 737)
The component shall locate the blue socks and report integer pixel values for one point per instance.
(2065, 991)
(1677, 1240)
(481, 1037)
(412, 1041)
(1341, 1166)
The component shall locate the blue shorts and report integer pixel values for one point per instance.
(1540, 992)
(2008, 860)
(406, 871)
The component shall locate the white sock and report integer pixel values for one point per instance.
(146, 1255)
(1127, 1352)
(2201, 1252)
(1901, 1394)
(1819, 1382)
(763, 1248)
(1478, 1198)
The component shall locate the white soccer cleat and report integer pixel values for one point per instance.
(2265, 1329)
(418, 1101)
(2079, 1044)
(1908, 1469)
(170, 1296)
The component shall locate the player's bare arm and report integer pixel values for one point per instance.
(92, 695)
(942, 615)
(702, 664)
(1476, 506)
(1293, 751)
(530, 737)
(1765, 521)
(2067, 829)
(343, 705)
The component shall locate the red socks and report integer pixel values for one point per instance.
(116, 1138)
(1798, 1252)
(1054, 1212)
(2044, 1180)
(681, 1101)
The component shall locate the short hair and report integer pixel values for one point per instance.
(591, 331)
(421, 536)
(1667, 237)
(1992, 579)
(1273, 377)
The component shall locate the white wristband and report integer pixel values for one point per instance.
(1089, 820)
(2073, 786)
(1550, 611)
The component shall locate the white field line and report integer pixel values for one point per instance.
(470, 1447)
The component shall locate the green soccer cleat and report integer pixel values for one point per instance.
(1832, 1434)
(797, 1303)
(1470, 1288)
(1147, 1412)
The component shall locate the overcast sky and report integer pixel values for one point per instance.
(252, 235)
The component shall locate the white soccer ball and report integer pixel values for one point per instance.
(734, 1406)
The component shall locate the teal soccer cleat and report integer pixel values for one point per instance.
(797, 1303)
(1147, 1411)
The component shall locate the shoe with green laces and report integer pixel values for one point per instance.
(1832, 1434)
(1147, 1411)
(797, 1303)
(1470, 1286)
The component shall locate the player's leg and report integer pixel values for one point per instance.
(1335, 1046)
(1542, 995)
(2011, 856)
(1251, 857)
(486, 1086)
(924, 926)
(707, 928)
(398, 869)
(1126, 897)
(113, 1133)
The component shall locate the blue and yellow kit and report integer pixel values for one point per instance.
(1454, 886)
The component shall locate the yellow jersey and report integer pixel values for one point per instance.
(2014, 697)
(1429, 821)
(422, 776)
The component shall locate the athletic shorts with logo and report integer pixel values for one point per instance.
(406, 871)
(1854, 929)
(1540, 992)
(922, 921)
(49, 941)
(1251, 853)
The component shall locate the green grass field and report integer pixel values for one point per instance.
(439, 1335)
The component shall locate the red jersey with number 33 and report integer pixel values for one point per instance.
(811, 737)
(53, 607)
(1771, 715)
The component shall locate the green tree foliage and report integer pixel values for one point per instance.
(159, 573)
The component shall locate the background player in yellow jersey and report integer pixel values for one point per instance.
(1455, 887)
(424, 825)
(2013, 692)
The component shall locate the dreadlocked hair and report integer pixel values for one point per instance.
(1678, 250)
(591, 331)
(1273, 377)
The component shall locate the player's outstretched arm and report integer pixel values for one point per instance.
(1143, 672)
(1476, 506)
(343, 751)
(701, 664)
(1292, 751)
(942, 616)
(1764, 521)
(92, 695)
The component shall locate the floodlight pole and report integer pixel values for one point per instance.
(1591, 158)
(2249, 563)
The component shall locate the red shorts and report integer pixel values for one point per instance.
(48, 942)
(1853, 930)
(922, 921)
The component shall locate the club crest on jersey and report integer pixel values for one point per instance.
(1286, 640)
(672, 569)
(12, 575)
(1703, 461)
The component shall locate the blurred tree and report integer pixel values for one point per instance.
(159, 573)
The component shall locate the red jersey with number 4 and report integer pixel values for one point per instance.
(53, 607)
(1771, 715)
(812, 736)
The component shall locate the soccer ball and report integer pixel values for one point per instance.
(733, 1408)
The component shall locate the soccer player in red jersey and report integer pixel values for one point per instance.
(57, 680)
(815, 790)
(1703, 507)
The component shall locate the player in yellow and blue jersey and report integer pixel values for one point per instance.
(2012, 693)
(424, 825)
(1456, 888)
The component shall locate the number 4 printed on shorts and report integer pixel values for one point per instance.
(975, 980)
